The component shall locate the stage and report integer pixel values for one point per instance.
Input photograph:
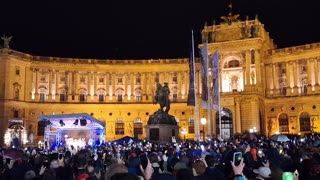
(77, 130)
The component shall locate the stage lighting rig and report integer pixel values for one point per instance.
(83, 122)
(61, 123)
(76, 122)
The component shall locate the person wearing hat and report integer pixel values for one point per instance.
(262, 172)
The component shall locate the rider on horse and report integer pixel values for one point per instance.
(162, 96)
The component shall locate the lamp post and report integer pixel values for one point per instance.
(203, 122)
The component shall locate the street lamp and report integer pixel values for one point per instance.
(203, 122)
(184, 132)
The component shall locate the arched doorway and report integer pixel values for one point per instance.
(226, 123)
(15, 136)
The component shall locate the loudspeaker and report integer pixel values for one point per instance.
(44, 123)
(83, 122)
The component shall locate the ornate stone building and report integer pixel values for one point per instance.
(261, 87)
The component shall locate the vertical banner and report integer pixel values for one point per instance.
(191, 93)
(215, 81)
(204, 76)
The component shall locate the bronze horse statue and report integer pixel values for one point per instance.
(162, 97)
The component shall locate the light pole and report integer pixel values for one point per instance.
(184, 132)
(203, 122)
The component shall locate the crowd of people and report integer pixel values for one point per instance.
(236, 158)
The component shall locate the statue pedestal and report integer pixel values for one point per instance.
(161, 128)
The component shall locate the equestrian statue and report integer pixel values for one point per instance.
(162, 97)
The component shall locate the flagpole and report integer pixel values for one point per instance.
(209, 101)
(220, 125)
(196, 109)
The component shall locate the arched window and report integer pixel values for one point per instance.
(16, 90)
(156, 77)
(191, 126)
(137, 94)
(138, 79)
(63, 95)
(119, 126)
(305, 121)
(119, 94)
(16, 94)
(101, 95)
(137, 126)
(175, 78)
(82, 95)
(174, 94)
(283, 123)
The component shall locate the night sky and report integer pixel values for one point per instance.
(118, 29)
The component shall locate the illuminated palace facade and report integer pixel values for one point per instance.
(261, 88)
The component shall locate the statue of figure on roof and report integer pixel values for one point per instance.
(162, 96)
(6, 41)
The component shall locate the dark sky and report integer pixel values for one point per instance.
(118, 29)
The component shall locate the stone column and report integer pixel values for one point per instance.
(95, 86)
(186, 83)
(316, 78)
(149, 86)
(88, 86)
(258, 68)
(288, 88)
(76, 83)
(113, 76)
(107, 76)
(238, 116)
(37, 86)
(316, 72)
(50, 85)
(248, 63)
(309, 86)
(69, 79)
(144, 86)
(125, 79)
(161, 77)
(57, 85)
(295, 79)
(275, 79)
(269, 80)
(179, 79)
(132, 76)
(243, 77)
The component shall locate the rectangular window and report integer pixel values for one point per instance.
(63, 97)
(119, 98)
(138, 80)
(191, 126)
(42, 97)
(175, 79)
(82, 79)
(42, 78)
(120, 80)
(82, 97)
(16, 114)
(175, 98)
(138, 98)
(101, 80)
(16, 94)
(101, 98)
(62, 79)
(18, 72)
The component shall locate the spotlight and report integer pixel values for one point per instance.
(61, 123)
(83, 122)
(76, 122)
